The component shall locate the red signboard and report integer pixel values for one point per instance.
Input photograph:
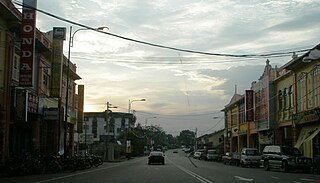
(249, 105)
(27, 45)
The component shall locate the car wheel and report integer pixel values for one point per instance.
(285, 166)
(266, 165)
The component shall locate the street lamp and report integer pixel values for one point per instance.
(67, 84)
(147, 120)
(130, 102)
(107, 115)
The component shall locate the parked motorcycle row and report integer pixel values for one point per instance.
(35, 164)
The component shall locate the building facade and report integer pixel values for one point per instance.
(31, 109)
(286, 108)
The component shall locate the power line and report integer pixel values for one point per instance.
(158, 45)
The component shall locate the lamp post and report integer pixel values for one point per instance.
(67, 85)
(107, 115)
(147, 120)
(130, 102)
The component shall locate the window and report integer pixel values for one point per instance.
(284, 98)
(290, 94)
(315, 92)
(16, 67)
(280, 100)
(111, 125)
(302, 92)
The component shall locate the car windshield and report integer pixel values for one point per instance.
(291, 151)
(212, 152)
(252, 152)
(156, 153)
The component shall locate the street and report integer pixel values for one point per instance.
(178, 168)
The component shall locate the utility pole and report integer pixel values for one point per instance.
(196, 143)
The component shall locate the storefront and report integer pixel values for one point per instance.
(308, 125)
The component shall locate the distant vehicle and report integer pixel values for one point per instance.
(213, 155)
(250, 157)
(156, 157)
(175, 151)
(197, 155)
(285, 158)
(227, 158)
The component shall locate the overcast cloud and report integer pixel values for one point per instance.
(184, 91)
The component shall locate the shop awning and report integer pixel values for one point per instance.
(306, 134)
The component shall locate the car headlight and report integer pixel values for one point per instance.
(292, 160)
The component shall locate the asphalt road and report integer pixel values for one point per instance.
(178, 168)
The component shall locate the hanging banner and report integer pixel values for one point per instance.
(57, 61)
(80, 108)
(28, 33)
(249, 105)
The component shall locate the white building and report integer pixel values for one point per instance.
(105, 126)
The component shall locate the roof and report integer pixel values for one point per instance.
(235, 99)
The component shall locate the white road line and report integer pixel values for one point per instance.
(309, 180)
(198, 177)
(76, 174)
(243, 179)
(275, 177)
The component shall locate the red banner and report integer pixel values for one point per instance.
(27, 46)
(249, 105)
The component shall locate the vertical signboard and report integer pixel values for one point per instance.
(80, 108)
(27, 43)
(57, 61)
(249, 105)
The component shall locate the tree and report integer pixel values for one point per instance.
(187, 138)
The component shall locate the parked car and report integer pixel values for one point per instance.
(250, 157)
(285, 158)
(213, 155)
(156, 157)
(197, 155)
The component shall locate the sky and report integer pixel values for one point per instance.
(182, 90)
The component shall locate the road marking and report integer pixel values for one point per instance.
(275, 177)
(198, 177)
(309, 180)
(243, 179)
(76, 174)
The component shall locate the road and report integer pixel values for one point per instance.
(178, 168)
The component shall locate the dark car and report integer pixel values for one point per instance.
(156, 157)
(285, 158)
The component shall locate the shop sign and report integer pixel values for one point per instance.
(33, 101)
(249, 105)
(51, 114)
(27, 43)
(307, 116)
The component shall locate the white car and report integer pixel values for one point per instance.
(197, 155)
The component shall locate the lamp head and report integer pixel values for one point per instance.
(101, 28)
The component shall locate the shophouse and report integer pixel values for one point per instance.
(32, 71)
(232, 113)
(264, 107)
(249, 118)
(216, 141)
(10, 23)
(284, 105)
(306, 113)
